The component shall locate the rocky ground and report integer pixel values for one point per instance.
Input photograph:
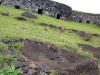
(39, 58)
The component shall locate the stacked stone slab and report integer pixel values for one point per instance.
(50, 8)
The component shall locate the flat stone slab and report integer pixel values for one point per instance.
(64, 62)
(29, 15)
(85, 36)
(21, 18)
(44, 67)
(95, 51)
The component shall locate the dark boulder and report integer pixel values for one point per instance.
(44, 67)
(85, 36)
(21, 18)
(17, 64)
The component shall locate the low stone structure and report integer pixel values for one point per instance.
(47, 7)
(85, 17)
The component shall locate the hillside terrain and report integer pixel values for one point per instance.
(22, 33)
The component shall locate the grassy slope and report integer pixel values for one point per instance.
(10, 27)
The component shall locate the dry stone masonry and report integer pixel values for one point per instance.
(85, 17)
(53, 9)
(47, 7)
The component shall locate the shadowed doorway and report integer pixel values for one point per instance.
(58, 16)
(40, 11)
(17, 7)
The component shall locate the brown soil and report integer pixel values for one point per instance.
(62, 61)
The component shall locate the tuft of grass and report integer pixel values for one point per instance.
(16, 47)
(10, 70)
(81, 74)
(6, 59)
(53, 73)
(3, 47)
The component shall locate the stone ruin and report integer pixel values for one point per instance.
(53, 9)
(85, 17)
(46, 7)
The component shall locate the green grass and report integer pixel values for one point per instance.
(16, 47)
(11, 70)
(3, 47)
(6, 59)
(53, 73)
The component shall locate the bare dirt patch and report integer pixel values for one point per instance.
(64, 62)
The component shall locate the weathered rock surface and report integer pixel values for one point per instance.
(18, 64)
(44, 67)
(54, 9)
(95, 51)
(85, 36)
(32, 65)
(85, 17)
(21, 18)
(29, 15)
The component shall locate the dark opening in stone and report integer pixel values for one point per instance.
(58, 16)
(87, 21)
(17, 7)
(79, 21)
(0, 3)
(40, 11)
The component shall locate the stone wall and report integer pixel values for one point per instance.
(46, 7)
(85, 17)
(54, 9)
